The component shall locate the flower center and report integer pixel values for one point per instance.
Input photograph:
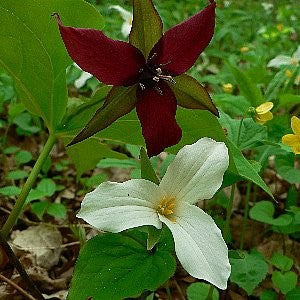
(166, 207)
(151, 74)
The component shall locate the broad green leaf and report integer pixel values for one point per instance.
(268, 295)
(10, 190)
(285, 168)
(16, 175)
(284, 281)
(249, 271)
(87, 154)
(32, 51)
(118, 163)
(247, 87)
(191, 94)
(289, 99)
(119, 102)
(200, 290)
(47, 186)
(57, 210)
(39, 208)
(23, 157)
(275, 84)
(293, 294)
(281, 261)
(147, 170)
(263, 211)
(94, 180)
(251, 134)
(118, 266)
(146, 26)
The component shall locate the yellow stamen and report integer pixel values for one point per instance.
(166, 207)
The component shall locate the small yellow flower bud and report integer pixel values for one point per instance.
(288, 73)
(279, 27)
(263, 113)
(244, 49)
(228, 88)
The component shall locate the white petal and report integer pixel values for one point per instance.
(126, 28)
(199, 245)
(126, 15)
(197, 171)
(116, 207)
(80, 82)
(279, 60)
(296, 54)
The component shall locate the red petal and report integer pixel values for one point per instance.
(181, 45)
(112, 62)
(157, 116)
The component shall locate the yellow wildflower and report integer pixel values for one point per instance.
(244, 49)
(227, 88)
(263, 113)
(279, 27)
(293, 140)
(288, 73)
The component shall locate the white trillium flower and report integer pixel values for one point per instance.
(195, 174)
(80, 82)
(126, 16)
(282, 60)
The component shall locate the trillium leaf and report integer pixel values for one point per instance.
(249, 271)
(247, 87)
(33, 54)
(147, 170)
(200, 290)
(118, 266)
(191, 94)
(146, 26)
(87, 154)
(263, 211)
(119, 102)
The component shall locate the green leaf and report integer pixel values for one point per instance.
(268, 295)
(119, 102)
(47, 186)
(23, 157)
(247, 87)
(10, 190)
(57, 210)
(285, 168)
(118, 266)
(248, 272)
(263, 211)
(146, 26)
(28, 54)
(191, 94)
(147, 171)
(35, 194)
(16, 175)
(118, 163)
(284, 281)
(94, 180)
(39, 208)
(275, 84)
(281, 261)
(87, 154)
(289, 99)
(200, 290)
(293, 294)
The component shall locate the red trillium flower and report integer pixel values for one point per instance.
(148, 79)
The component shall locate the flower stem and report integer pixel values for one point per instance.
(239, 132)
(246, 212)
(17, 209)
(210, 293)
(228, 215)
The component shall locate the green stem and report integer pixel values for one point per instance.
(239, 132)
(17, 209)
(228, 215)
(246, 212)
(210, 293)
